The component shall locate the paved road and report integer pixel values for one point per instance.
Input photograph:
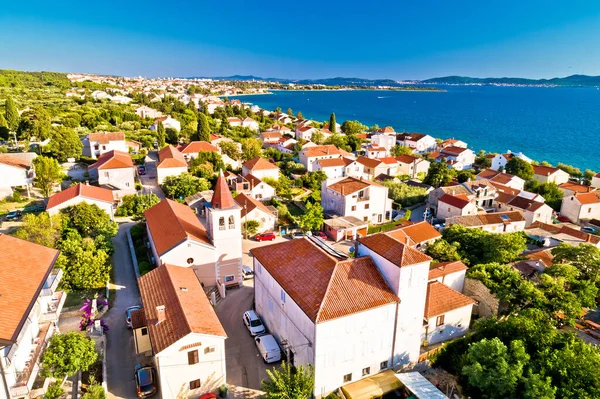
(148, 180)
(121, 360)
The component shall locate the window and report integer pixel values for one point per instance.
(365, 218)
(144, 331)
(221, 223)
(209, 349)
(282, 296)
(448, 209)
(353, 207)
(190, 261)
(439, 321)
(96, 147)
(195, 384)
(231, 222)
(366, 371)
(127, 184)
(366, 206)
(259, 268)
(270, 306)
(348, 377)
(229, 278)
(193, 357)
(104, 147)
(106, 174)
(383, 365)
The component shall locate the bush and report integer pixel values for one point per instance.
(54, 391)
(17, 197)
(137, 232)
(144, 267)
(251, 226)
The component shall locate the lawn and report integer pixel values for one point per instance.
(76, 297)
(7, 206)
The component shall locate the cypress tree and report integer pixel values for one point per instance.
(203, 133)
(332, 123)
(12, 114)
(161, 135)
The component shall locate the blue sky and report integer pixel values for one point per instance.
(310, 39)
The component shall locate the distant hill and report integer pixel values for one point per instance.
(10, 78)
(339, 81)
(573, 81)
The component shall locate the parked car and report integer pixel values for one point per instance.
(34, 208)
(590, 230)
(145, 381)
(266, 236)
(297, 234)
(128, 314)
(320, 234)
(268, 348)
(142, 170)
(253, 323)
(247, 273)
(563, 219)
(209, 396)
(13, 215)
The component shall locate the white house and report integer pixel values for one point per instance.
(460, 158)
(455, 205)
(250, 124)
(32, 308)
(260, 168)
(451, 143)
(596, 181)
(416, 235)
(168, 122)
(412, 166)
(495, 222)
(386, 140)
(253, 209)
(332, 167)
(310, 155)
(270, 138)
(250, 185)
(193, 148)
(215, 253)
(418, 142)
(171, 162)
(581, 207)
(144, 111)
(533, 209)
(96, 144)
(375, 167)
(375, 151)
(363, 199)
(115, 170)
(181, 330)
(451, 274)
(549, 174)
(504, 179)
(79, 193)
(16, 170)
(499, 161)
(234, 122)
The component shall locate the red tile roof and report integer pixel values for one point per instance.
(456, 201)
(24, 268)
(11, 160)
(544, 170)
(249, 204)
(106, 137)
(589, 198)
(222, 198)
(322, 150)
(331, 162)
(259, 163)
(441, 299)
(393, 250)
(453, 150)
(406, 159)
(578, 188)
(368, 162)
(350, 185)
(417, 232)
(113, 160)
(324, 287)
(80, 190)
(171, 157)
(194, 147)
(187, 309)
(171, 223)
(387, 129)
(441, 269)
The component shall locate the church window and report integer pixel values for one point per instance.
(231, 222)
(190, 261)
(221, 223)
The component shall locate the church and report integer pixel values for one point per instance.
(177, 237)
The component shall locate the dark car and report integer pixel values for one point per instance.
(145, 381)
(34, 209)
(297, 234)
(13, 215)
(267, 236)
(319, 234)
(142, 170)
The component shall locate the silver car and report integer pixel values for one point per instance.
(253, 323)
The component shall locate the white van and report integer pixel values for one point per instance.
(268, 348)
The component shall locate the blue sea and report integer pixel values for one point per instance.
(546, 124)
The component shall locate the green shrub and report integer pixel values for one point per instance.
(144, 267)
(137, 232)
(54, 391)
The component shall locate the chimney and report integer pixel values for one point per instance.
(160, 314)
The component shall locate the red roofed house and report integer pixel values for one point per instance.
(360, 198)
(549, 174)
(79, 193)
(260, 168)
(457, 205)
(451, 274)
(375, 151)
(499, 161)
(310, 155)
(114, 169)
(459, 158)
(333, 167)
(30, 306)
(215, 253)
(96, 144)
(16, 170)
(596, 181)
(412, 166)
(167, 121)
(179, 327)
(504, 179)
(171, 162)
(419, 142)
(253, 209)
(384, 138)
(193, 148)
(581, 207)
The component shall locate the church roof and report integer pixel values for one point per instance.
(222, 198)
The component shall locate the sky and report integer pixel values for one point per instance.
(395, 39)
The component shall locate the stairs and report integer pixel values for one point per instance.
(210, 290)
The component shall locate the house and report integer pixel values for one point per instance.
(596, 181)
(418, 142)
(581, 207)
(146, 112)
(270, 138)
(375, 167)
(250, 124)
(345, 228)
(30, 308)
(310, 155)
(416, 235)
(234, 122)
(482, 193)
(353, 168)
(458, 158)
(451, 274)
(193, 148)
(133, 146)
(549, 174)
(451, 143)
(569, 188)
(551, 235)
(171, 162)
(499, 161)
(504, 179)
(412, 166)
(374, 151)
(250, 185)
(286, 145)
(17, 170)
(386, 140)
(333, 167)
(495, 222)
(455, 205)
(260, 168)
(79, 193)
(96, 144)
(253, 209)
(533, 209)
(363, 199)
(168, 123)
(215, 253)
(115, 170)
(179, 327)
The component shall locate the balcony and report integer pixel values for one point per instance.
(25, 377)
(52, 307)
(52, 282)
(363, 198)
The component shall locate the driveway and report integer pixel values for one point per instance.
(149, 181)
(121, 358)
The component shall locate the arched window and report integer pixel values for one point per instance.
(190, 261)
(231, 222)
(221, 223)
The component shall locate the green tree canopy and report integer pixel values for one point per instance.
(68, 354)
(289, 382)
(317, 137)
(550, 191)
(312, 219)
(12, 114)
(230, 149)
(184, 185)
(203, 132)
(442, 251)
(135, 205)
(161, 135)
(438, 175)
(89, 220)
(338, 140)
(518, 167)
(65, 143)
(404, 194)
(398, 150)
(35, 123)
(41, 229)
(85, 265)
(332, 123)
(47, 174)
(251, 148)
(353, 127)
(585, 257)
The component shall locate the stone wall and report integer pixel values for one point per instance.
(487, 303)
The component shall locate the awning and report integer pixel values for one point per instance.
(420, 386)
(372, 387)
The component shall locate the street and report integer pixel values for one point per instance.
(149, 181)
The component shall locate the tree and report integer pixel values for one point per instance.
(398, 150)
(41, 229)
(585, 257)
(68, 354)
(85, 265)
(65, 143)
(353, 127)
(549, 190)
(313, 180)
(135, 205)
(11, 114)
(35, 123)
(332, 124)
(251, 148)
(251, 227)
(312, 218)
(290, 112)
(518, 167)
(290, 382)
(89, 220)
(495, 369)
(95, 390)
(4, 131)
(230, 149)
(47, 174)
(299, 115)
(184, 185)
(588, 175)
(571, 170)
(203, 132)
(161, 135)
(442, 251)
(172, 137)
(339, 141)
(438, 175)
(465, 175)
(317, 137)
(404, 194)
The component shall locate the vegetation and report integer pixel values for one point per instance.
(47, 174)
(68, 354)
(135, 205)
(404, 194)
(184, 185)
(518, 167)
(312, 218)
(438, 175)
(289, 382)
(251, 227)
(398, 150)
(550, 191)
(54, 391)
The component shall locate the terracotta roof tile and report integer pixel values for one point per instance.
(484, 219)
(441, 299)
(453, 150)
(24, 268)
(441, 269)
(349, 185)
(171, 157)
(187, 309)
(222, 198)
(406, 159)
(10, 160)
(368, 162)
(393, 250)
(80, 190)
(106, 137)
(454, 200)
(417, 232)
(194, 147)
(578, 188)
(249, 204)
(589, 198)
(113, 160)
(322, 150)
(331, 162)
(259, 163)
(544, 170)
(138, 319)
(170, 223)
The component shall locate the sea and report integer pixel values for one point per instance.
(553, 124)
